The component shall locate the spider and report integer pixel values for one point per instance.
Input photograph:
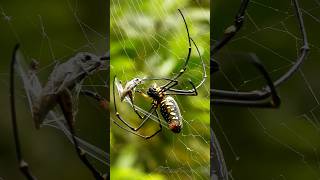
(256, 98)
(160, 95)
(57, 91)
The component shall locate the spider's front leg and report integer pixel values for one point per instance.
(23, 165)
(144, 118)
(232, 30)
(65, 102)
(265, 97)
(192, 92)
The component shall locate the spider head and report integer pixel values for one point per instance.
(154, 92)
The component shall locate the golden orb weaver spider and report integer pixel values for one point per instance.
(160, 95)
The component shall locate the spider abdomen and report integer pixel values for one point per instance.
(170, 111)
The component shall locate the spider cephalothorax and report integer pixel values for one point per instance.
(155, 92)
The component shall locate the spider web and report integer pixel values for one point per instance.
(266, 143)
(50, 38)
(148, 39)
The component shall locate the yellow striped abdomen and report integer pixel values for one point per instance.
(170, 111)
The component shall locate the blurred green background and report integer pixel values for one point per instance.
(269, 143)
(149, 39)
(50, 31)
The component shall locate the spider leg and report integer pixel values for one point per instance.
(162, 79)
(183, 69)
(143, 95)
(232, 30)
(143, 136)
(144, 118)
(303, 50)
(164, 88)
(203, 65)
(65, 102)
(192, 92)
(229, 33)
(104, 103)
(134, 106)
(188, 55)
(254, 98)
(23, 165)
